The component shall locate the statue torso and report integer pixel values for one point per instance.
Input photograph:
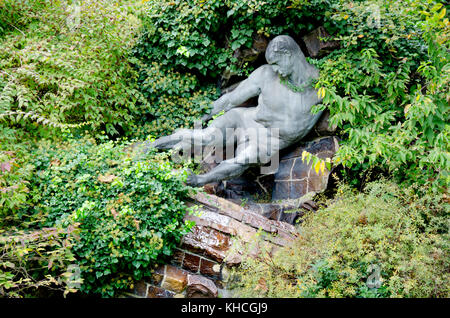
(289, 111)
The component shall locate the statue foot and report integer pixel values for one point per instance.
(194, 180)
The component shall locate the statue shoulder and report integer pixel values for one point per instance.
(263, 72)
(265, 69)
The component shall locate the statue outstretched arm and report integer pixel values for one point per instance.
(247, 89)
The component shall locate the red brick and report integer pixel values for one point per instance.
(175, 279)
(191, 262)
(157, 292)
(140, 289)
(206, 268)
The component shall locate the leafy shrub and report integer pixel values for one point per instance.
(17, 14)
(202, 35)
(176, 100)
(406, 235)
(32, 261)
(14, 176)
(16, 145)
(70, 65)
(129, 208)
(387, 88)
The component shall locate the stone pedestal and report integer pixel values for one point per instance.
(296, 178)
(199, 265)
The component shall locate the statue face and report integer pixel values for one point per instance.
(282, 64)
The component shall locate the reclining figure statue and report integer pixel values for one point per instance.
(281, 118)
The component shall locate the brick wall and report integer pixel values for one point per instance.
(200, 265)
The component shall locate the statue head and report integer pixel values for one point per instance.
(283, 53)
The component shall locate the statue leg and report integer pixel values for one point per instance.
(227, 169)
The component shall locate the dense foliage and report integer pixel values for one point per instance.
(37, 262)
(69, 64)
(203, 35)
(387, 88)
(187, 46)
(405, 235)
(176, 99)
(137, 68)
(128, 206)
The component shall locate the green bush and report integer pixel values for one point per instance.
(18, 14)
(69, 64)
(176, 100)
(404, 234)
(15, 172)
(201, 36)
(387, 88)
(129, 208)
(37, 263)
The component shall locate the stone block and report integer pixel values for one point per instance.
(301, 169)
(208, 268)
(157, 275)
(323, 127)
(258, 222)
(191, 262)
(244, 232)
(177, 257)
(201, 287)
(321, 145)
(175, 279)
(280, 190)
(298, 189)
(212, 220)
(303, 178)
(284, 170)
(140, 289)
(211, 242)
(290, 217)
(211, 188)
(219, 204)
(270, 210)
(158, 292)
(317, 183)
